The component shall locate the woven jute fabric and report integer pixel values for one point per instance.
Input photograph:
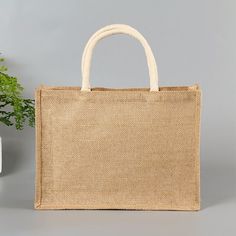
(117, 149)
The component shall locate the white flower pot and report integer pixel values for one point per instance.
(0, 154)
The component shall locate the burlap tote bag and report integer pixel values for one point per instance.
(105, 148)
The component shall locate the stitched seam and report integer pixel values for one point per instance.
(39, 150)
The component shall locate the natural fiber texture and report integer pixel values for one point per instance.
(117, 149)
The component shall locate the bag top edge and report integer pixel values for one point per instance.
(171, 88)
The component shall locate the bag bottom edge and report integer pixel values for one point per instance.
(126, 208)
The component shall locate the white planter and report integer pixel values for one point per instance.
(0, 154)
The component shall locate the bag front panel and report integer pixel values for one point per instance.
(117, 149)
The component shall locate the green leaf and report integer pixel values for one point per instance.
(14, 109)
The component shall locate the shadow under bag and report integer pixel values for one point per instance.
(105, 148)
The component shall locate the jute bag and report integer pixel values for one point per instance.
(105, 148)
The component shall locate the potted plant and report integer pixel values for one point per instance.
(15, 110)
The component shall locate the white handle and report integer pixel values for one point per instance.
(111, 30)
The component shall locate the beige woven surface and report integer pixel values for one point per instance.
(117, 149)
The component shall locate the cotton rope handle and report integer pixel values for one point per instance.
(112, 30)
